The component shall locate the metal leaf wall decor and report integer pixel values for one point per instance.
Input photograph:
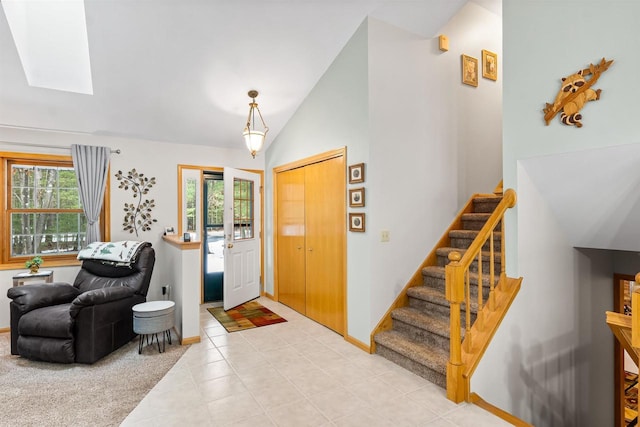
(137, 215)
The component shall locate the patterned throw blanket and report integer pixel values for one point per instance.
(120, 253)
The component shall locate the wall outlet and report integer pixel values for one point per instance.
(385, 236)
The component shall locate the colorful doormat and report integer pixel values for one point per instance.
(245, 316)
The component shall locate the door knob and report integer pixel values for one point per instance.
(229, 245)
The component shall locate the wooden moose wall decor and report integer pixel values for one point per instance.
(574, 93)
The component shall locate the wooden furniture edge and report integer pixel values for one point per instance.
(4, 330)
(617, 322)
(177, 241)
(618, 319)
(512, 419)
(492, 322)
(401, 300)
(362, 346)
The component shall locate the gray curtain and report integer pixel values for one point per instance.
(92, 168)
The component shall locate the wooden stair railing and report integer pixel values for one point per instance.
(465, 355)
(626, 329)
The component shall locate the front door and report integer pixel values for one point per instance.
(213, 253)
(241, 237)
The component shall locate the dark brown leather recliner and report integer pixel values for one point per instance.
(82, 322)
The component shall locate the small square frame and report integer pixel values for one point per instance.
(469, 70)
(489, 65)
(357, 222)
(356, 173)
(356, 197)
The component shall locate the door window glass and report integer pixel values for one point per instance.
(242, 209)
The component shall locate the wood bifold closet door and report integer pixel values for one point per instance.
(311, 241)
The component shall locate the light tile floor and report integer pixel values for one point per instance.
(296, 373)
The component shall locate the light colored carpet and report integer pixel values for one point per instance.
(102, 394)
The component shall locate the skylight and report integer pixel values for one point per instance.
(51, 39)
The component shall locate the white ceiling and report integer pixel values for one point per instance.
(179, 70)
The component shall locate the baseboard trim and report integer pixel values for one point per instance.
(3, 330)
(357, 343)
(190, 340)
(478, 401)
(268, 295)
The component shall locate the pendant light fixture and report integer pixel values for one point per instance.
(253, 137)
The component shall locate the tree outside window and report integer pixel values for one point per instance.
(44, 214)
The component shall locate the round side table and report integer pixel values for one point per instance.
(151, 318)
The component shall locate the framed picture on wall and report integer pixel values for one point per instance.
(489, 65)
(469, 70)
(356, 173)
(356, 222)
(356, 198)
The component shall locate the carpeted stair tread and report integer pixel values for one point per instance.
(439, 273)
(419, 319)
(436, 296)
(474, 221)
(487, 198)
(476, 216)
(444, 252)
(471, 234)
(485, 203)
(433, 358)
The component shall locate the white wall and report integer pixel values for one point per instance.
(545, 41)
(154, 159)
(476, 122)
(552, 343)
(553, 354)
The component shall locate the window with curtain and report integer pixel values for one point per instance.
(42, 213)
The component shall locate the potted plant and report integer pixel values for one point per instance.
(34, 264)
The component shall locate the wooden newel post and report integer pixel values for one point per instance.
(454, 290)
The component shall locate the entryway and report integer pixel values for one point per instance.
(213, 250)
(221, 207)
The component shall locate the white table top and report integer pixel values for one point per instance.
(151, 306)
(40, 273)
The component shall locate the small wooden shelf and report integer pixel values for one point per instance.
(178, 242)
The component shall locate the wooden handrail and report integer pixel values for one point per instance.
(458, 285)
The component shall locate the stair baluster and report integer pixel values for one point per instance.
(455, 271)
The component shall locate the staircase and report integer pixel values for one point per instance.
(419, 340)
(416, 333)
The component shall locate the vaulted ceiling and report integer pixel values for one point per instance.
(179, 70)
